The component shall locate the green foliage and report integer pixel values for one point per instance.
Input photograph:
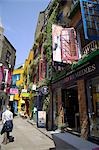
(46, 103)
(48, 42)
(43, 82)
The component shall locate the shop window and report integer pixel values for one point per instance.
(94, 107)
(8, 56)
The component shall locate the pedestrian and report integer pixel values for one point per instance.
(7, 120)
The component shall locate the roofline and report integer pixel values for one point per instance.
(10, 43)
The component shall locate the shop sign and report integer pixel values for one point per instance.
(80, 73)
(90, 18)
(1, 75)
(13, 91)
(44, 90)
(24, 91)
(11, 97)
(69, 46)
(64, 43)
(41, 119)
(25, 95)
(85, 71)
(56, 31)
(34, 87)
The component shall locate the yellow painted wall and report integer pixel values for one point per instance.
(19, 71)
(19, 83)
(22, 78)
(27, 63)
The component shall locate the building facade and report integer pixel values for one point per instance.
(7, 62)
(74, 95)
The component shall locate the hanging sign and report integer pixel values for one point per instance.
(44, 90)
(65, 47)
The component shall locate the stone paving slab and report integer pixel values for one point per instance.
(69, 141)
(66, 141)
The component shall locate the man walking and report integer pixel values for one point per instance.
(7, 119)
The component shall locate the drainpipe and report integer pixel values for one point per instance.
(52, 112)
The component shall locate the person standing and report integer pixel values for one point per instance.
(7, 120)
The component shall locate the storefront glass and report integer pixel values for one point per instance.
(93, 106)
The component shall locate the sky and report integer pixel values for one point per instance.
(19, 19)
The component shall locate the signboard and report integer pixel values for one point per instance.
(1, 74)
(11, 97)
(56, 31)
(90, 17)
(41, 119)
(65, 47)
(13, 91)
(24, 91)
(44, 90)
(25, 95)
(9, 79)
(34, 87)
(69, 46)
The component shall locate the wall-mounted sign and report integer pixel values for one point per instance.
(90, 17)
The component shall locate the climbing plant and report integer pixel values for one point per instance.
(48, 41)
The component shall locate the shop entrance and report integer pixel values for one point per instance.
(71, 108)
(93, 107)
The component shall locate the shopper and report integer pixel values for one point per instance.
(7, 119)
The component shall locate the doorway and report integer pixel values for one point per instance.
(71, 108)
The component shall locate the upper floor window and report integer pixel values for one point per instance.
(8, 56)
(15, 78)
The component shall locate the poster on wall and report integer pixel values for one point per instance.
(41, 119)
(64, 44)
(90, 18)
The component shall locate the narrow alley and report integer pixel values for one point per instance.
(27, 137)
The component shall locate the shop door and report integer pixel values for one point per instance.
(71, 108)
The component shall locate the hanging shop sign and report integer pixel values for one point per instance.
(44, 90)
(56, 31)
(1, 73)
(65, 47)
(13, 91)
(90, 17)
(11, 97)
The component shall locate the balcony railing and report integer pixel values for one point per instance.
(92, 46)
